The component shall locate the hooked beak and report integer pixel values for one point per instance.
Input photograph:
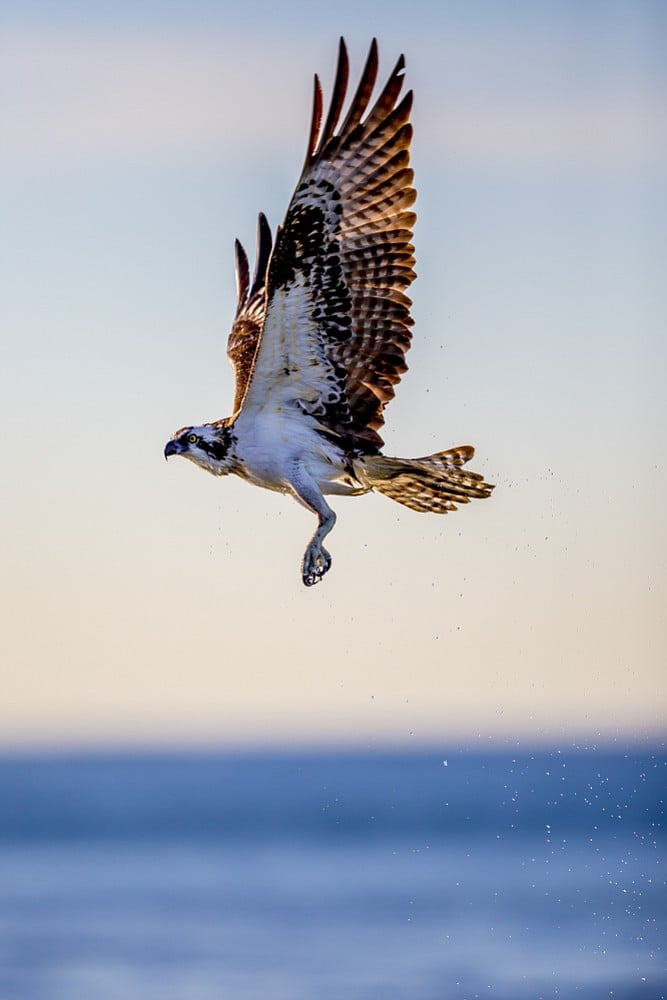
(172, 448)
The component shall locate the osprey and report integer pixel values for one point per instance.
(320, 334)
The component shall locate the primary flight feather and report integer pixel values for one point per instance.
(321, 330)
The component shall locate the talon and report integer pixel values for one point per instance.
(316, 562)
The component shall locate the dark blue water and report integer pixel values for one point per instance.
(427, 876)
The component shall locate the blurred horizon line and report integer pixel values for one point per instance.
(607, 743)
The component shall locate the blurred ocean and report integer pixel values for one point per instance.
(334, 876)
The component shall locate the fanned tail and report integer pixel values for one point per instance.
(435, 483)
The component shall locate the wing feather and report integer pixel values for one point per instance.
(250, 311)
(364, 90)
(316, 119)
(242, 272)
(389, 95)
(338, 95)
(336, 325)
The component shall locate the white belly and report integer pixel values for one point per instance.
(271, 447)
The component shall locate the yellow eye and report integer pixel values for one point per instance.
(192, 438)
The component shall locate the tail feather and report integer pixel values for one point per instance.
(434, 483)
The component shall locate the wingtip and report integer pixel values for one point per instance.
(338, 95)
(263, 248)
(263, 226)
(316, 118)
(343, 56)
(242, 272)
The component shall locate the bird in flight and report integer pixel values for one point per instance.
(321, 330)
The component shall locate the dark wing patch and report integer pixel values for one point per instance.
(342, 262)
(250, 310)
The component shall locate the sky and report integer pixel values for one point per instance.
(145, 603)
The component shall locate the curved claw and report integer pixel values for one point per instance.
(316, 562)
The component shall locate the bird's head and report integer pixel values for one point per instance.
(209, 446)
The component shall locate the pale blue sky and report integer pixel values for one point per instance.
(149, 602)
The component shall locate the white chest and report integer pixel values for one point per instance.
(270, 447)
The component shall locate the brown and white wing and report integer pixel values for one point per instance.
(337, 322)
(251, 302)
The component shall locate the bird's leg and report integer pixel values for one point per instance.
(316, 559)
